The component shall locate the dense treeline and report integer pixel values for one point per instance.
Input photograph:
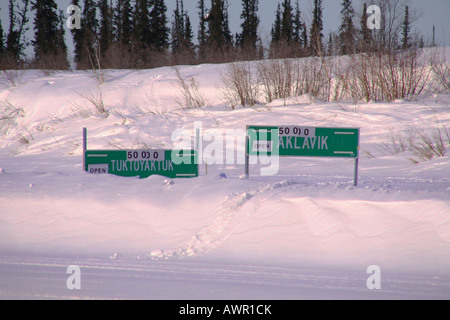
(143, 34)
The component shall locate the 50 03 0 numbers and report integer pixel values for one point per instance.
(156, 155)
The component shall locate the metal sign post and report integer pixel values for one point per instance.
(84, 147)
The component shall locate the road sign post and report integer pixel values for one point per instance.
(355, 174)
(303, 141)
(247, 158)
(84, 147)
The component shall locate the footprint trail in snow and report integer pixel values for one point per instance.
(229, 218)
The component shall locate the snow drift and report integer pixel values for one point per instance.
(307, 215)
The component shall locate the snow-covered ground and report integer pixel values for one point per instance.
(305, 232)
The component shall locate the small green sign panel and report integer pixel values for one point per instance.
(292, 141)
(142, 163)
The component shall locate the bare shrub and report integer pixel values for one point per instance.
(191, 96)
(431, 145)
(97, 63)
(239, 85)
(183, 56)
(402, 75)
(341, 84)
(283, 78)
(285, 50)
(11, 77)
(397, 142)
(423, 145)
(50, 62)
(24, 139)
(363, 82)
(276, 77)
(388, 76)
(9, 114)
(316, 77)
(92, 101)
(441, 71)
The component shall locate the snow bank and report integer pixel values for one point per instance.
(308, 215)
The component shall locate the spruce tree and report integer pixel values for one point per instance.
(124, 24)
(316, 29)
(304, 36)
(226, 25)
(300, 37)
(188, 33)
(219, 35)
(85, 38)
(177, 28)
(2, 42)
(202, 28)
(46, 26)
(330, 46)
(365, 32)
(90, 20)
(117, 30)
(61, 40)
(287, 22)
(406, 29)
(216, 38)
(433, 38)
(276, 28)
(284, 27)
(182, 46)
(347, 31)
(249, 36)
(159, 32)
(106, 26)
(11, 40)
(298, 25)
(142, 30)
(89, 25)
(15, 42)
(78, 39)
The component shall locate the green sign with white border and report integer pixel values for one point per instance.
(141, 163)
(297, 141)
(303, 141)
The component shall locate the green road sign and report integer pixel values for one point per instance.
(303, 141)
(142, 163)
(292, 141)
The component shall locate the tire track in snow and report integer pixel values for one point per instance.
(229, 218)
(155, 92)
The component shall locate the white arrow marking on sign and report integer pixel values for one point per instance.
(344, 152)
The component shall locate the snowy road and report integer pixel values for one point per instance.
(46, 278)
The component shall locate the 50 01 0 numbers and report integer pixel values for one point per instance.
(297, 131)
